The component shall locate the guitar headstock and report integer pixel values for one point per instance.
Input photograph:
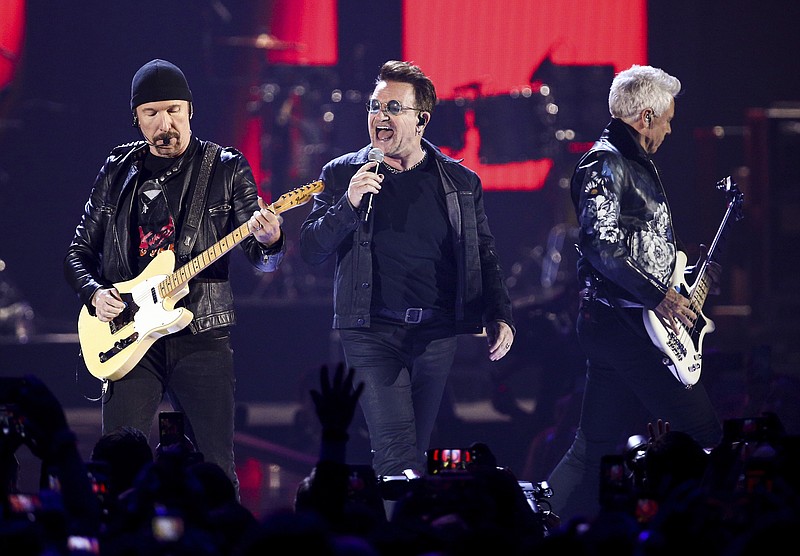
(735, 196)
(297, 197)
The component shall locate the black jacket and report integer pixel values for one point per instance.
(627, 241)
(100, 254)
(334, 227)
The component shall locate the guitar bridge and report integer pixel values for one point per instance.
(119, 345)
(126, 316)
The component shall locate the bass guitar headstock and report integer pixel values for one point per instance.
(735, 196)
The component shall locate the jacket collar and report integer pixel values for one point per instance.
(625, 139)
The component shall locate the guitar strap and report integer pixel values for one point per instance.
(198, 200)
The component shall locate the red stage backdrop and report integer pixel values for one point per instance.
(476, 50)
(498, 45)
(12, 25)
(309, 24)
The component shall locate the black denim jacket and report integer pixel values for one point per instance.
(334, 227)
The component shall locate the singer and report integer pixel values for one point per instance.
(146, 201)
(412, 273)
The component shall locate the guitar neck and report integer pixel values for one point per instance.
(700, 291)
(703, 282)
(178, 279)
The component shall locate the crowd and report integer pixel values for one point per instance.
(663, 493)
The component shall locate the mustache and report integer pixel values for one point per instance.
(168, 136)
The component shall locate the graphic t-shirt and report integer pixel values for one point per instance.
(154, 220)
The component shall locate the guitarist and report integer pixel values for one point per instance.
(627, 256)
(141, 205)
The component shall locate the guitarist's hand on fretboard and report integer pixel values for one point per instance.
(107, 304)
(674, 308)
(265, 225)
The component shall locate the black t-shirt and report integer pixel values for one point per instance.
(412, 244)
(154, 222)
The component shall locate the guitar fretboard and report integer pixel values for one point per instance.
(178, 279)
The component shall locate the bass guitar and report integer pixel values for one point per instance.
(683, 352)
(111, 349)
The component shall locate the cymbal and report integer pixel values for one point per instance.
(264, 41)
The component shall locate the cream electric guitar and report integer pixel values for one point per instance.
(684, 351)
(111, 349)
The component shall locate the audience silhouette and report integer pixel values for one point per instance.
(667, 494)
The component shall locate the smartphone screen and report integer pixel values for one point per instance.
(83, 545)
(23, 503)
(448, 460)
(170, 428)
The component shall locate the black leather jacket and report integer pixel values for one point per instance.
(334, 226)
(100, 254)
(627, 242)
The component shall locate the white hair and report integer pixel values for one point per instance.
(641, 87)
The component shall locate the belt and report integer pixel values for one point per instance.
(590, 294)
(412, 315)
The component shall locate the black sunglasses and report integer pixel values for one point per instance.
(393, 107)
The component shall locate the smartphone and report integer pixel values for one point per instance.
(171, 428)
(77, 544)
(23, 503)
(100, 475)
(11, 421)
(167, 528)
(448, 460)
(615, 486)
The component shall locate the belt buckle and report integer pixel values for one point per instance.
(413, 315)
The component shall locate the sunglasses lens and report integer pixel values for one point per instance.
(393, 107)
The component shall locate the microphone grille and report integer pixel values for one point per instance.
(375, 155)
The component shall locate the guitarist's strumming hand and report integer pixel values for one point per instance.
(107, 304)
(673, 308)
(265, 224)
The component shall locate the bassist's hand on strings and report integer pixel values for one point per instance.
(674, 309)
(107, 304)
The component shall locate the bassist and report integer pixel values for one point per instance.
(628, 253)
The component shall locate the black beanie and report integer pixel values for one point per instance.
(159, 80)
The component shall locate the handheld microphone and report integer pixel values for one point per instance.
(375, 155)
